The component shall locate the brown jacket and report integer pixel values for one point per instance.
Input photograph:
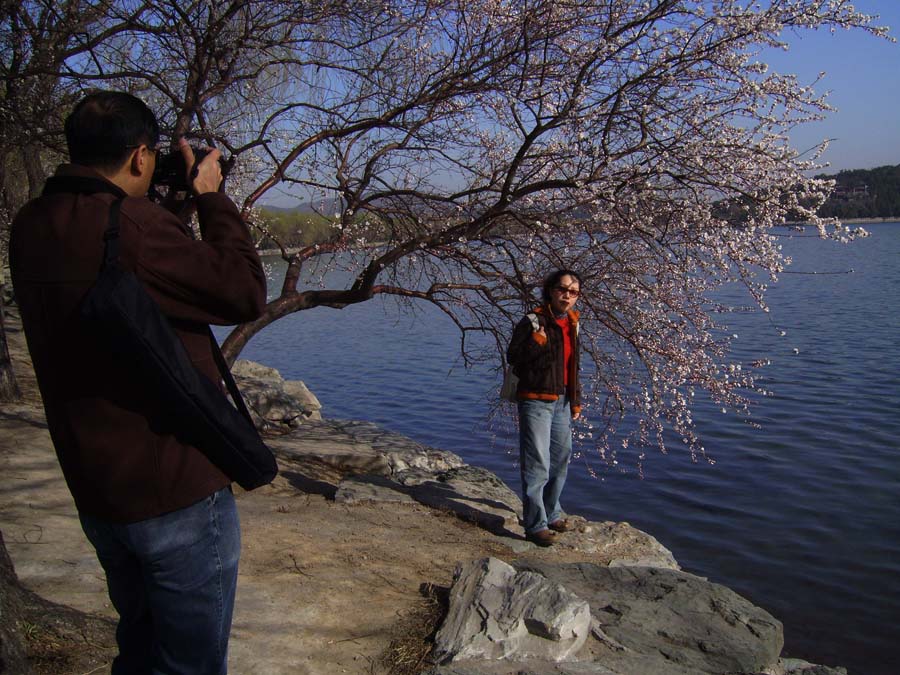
(108, 431)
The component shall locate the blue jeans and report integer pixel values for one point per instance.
(172, 579)
(545, 445)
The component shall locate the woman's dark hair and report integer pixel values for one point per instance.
(553, 280)
(106, 126)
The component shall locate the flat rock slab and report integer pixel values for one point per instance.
(345, 439)
(365, 463)
(344, 456)
(620, 544)
(371, 488)
(801, 667)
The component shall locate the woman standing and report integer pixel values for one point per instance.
(544, 354)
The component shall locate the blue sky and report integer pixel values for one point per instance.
(863, 76)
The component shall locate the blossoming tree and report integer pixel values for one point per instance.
(464, 148)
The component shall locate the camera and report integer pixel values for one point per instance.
(171, 171)
(170, 186)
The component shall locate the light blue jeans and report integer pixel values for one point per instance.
(545, 445)
(172, 579)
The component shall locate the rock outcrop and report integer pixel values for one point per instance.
(643, 620)
(499, 613)
(670, 618)
(367, 463)
(276, 404)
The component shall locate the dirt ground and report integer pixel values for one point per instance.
(324, 587)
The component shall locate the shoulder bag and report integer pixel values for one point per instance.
(134, 327)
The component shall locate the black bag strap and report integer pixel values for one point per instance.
(111, 236)
(111, 258)
(90, 185)
(225, 372)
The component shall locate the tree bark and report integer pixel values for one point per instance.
(37, 635)
(34, 170)
(13, 657)
(9, 387)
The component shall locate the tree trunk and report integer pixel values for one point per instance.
(42, 636)
(240, 336)
(34, 170)
(9, 388)
(13, 657)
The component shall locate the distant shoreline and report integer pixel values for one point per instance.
(874, 221)
(851, 221)
(847, 221)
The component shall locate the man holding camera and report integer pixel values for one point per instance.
(160, 515)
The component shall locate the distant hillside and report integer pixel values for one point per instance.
(325, 206)
(864, 193)
(293, 227)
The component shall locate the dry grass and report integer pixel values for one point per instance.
(413, 638)
(65, 642)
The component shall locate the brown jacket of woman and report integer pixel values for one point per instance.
(539, 360)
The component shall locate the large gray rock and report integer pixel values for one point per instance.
(275, 403)
(306, 400)
(363, 451)
(653, 620)
(399, 454)
(344, 458)
(408, 460)
(650, 621)
(498, 613)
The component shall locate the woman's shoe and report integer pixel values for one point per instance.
(561, 525)
(541, 538)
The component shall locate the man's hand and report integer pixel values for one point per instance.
(206, 176)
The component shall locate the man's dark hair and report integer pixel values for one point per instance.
(553, 280)
(104, 127)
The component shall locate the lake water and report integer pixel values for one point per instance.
(801, 516)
